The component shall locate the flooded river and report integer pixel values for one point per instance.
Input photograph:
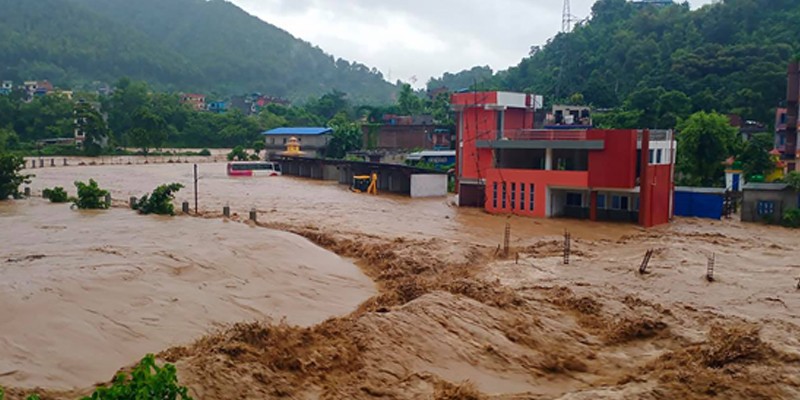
(84, 293)
(322, 204)
(448, 307)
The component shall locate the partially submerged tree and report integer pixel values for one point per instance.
(56, 195)
(10, 176)
(90, 196)
(238, 154)
(160, 201)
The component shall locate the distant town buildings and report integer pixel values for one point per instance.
(6, 87)
(195, 101)
(254, 103)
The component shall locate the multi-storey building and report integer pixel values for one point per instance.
(505, 165)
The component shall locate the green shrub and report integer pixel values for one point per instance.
(160, 202)
(56, 195)
(90, 196)
(791, 218)
(147, 381)
(237, 154)
(204, 152)
(10, 176)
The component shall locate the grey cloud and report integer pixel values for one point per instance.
(464, 32)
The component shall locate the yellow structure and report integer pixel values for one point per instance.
(780, 167)
(365, 184)
(293, 148)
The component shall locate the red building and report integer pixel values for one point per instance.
(506, 166)
(196, 101)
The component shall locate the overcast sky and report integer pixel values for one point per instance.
(412, 40)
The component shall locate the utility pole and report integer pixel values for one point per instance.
(195, 190)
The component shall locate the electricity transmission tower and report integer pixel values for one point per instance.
(567, 18)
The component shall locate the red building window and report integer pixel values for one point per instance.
(505, 193)
(513, 196)
(533, 195)
(494, 195)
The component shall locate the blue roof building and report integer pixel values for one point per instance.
(307, 131)
(313, 140)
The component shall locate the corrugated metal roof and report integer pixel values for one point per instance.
(700, 190)
(765, 186)
(298, 131)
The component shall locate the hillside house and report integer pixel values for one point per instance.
(195, 101)
(6, 87)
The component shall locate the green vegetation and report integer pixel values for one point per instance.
(791, 218)
(78, 42)
(204, 153)
(90, 196)
(10, 176)
(147, 381)
(706, 140)
(793, 180)
(756, 158)
(56, 195)
(346, 136)
(238, 154)
(160, 201)
(664, 63)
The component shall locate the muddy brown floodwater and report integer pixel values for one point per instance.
(84, 293)
(449, 317)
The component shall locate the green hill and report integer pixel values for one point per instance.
(667, 62)
(63, 42)
(197, 45)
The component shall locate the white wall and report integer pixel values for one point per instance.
(428, 185)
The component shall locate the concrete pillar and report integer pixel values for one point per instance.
(226, 211)
(253, 215)
(27, 191)
(65, 162)
(593, 206)
(33, 164)
(645, 190)
(132, 201)
(52, 162)
(185, 207)
(548, 159)
(41, 163)
(108, 200)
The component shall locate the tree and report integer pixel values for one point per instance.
(258, 146)
(408, 102)
(10, 176)
(755, 158)
(160, 201)
(238, 154)
(347, 136)
(793, 180)
(90, 196)
(705, 140)
(149, 130)
(89, 122)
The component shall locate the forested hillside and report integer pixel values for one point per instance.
(661, 64)
(65, 43)
(192, 45)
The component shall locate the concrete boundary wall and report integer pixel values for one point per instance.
(428, 185)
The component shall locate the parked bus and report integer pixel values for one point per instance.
(437, 158)
(254, 168)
